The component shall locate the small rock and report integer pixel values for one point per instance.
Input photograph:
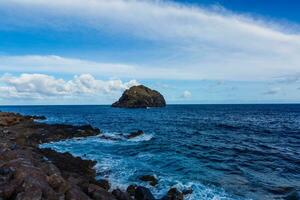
(173, 194)
(135, 134)
(143, 193)
(149, 178)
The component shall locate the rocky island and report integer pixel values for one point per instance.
(30, 173)
(140, 97)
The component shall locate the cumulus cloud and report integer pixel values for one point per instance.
(198, 43)
(40, 86)
(186, 94)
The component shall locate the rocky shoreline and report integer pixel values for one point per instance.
(30, 173)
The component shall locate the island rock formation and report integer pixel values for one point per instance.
(140, 97)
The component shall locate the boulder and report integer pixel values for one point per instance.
(152, 180)
(135, 134)
(173, 194)
(142, 193)
(140, 97)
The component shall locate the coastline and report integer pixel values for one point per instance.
(28, 172)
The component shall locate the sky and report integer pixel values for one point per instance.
(192, 51)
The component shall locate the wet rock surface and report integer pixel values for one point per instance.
(173, 194)
(30, 173)
(135, 134)
(152, 180)
(142, 193)
(140, 97)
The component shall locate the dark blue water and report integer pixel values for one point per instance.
(220, 151)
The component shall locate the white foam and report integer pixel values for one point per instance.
(122, 172)
(141, 138)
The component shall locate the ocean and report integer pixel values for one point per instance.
(219, 151)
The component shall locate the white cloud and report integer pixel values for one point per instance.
(273, 91)
(54, 63)
(199, 43)
(186, 94)
(289, 79)
(41, 86)
(58, 64)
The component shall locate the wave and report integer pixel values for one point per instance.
(117, 137)
(141, 138)
(122, 172)
(125, 177)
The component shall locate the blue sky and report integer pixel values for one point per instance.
(193, 51)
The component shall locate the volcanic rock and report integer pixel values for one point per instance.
(120, 195)
(131, 190)
(173, 194)
(149, 178)
(140, 97)
(143, 193)
(104, 184)
(135, 134)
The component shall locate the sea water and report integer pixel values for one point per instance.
(218, 151)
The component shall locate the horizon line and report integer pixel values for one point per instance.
(173, 104)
